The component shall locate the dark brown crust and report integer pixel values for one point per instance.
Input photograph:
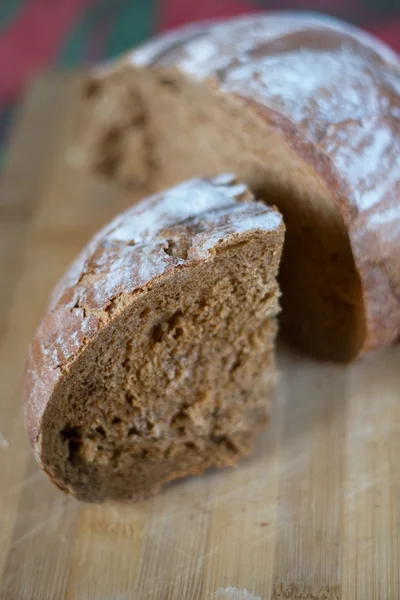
(121, 262)
(60, 336)
(347, 129)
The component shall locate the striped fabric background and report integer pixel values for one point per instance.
(38, 34)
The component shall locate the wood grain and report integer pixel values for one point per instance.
(314, 513)
(25, 175)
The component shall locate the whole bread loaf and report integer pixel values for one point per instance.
(306, 110)
(156, 358)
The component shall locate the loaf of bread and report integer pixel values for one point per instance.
(156, 358)
(306, 110)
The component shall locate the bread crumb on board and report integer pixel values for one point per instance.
(233, 593)
(4, 444)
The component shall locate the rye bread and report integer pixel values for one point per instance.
(156, 358)
(306, 110)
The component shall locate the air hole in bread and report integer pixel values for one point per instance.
(170, 83)
(92, 89)
(145, 312)
(138, 121)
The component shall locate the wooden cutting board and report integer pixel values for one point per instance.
(314, 513)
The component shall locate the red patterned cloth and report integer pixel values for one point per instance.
(37, 34)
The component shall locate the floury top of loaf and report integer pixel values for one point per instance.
(338, 84)
(141, 244)
(325, 97)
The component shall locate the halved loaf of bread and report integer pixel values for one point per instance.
(306, 110)
(156, 358)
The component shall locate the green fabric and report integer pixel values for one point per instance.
(9, 10)
(134, 24)
(129, 23)
(74, 47)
